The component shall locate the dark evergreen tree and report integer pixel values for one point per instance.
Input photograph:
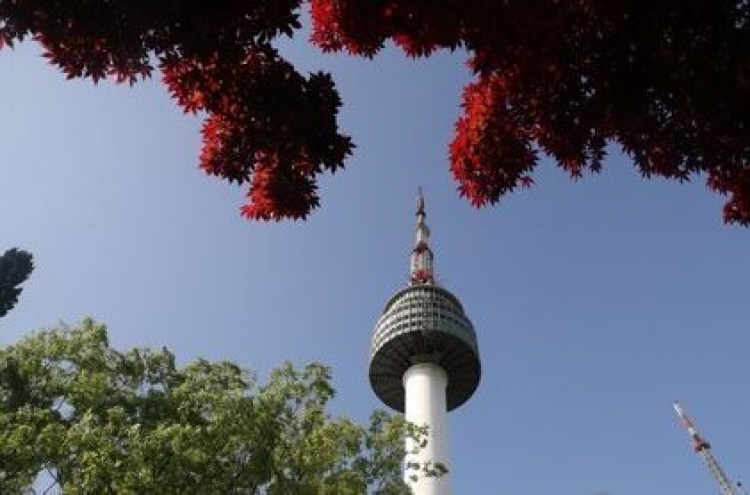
(15, 267)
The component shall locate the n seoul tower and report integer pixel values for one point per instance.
(424, 359)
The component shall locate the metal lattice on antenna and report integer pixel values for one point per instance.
(421, 261)
(703, 448)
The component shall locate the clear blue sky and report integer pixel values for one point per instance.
(596, 303)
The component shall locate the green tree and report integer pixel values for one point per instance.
(97, 420)
(15, 267)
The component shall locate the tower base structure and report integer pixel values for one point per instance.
(425, 405)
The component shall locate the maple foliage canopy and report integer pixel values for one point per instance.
(668, 81)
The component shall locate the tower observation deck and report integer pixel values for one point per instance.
(424, 358)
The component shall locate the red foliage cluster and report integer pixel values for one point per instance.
(668, 81)
(266, 124)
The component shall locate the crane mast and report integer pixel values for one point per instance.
(703, 448)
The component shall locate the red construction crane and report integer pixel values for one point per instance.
(703, 448)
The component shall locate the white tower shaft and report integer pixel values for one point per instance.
(425, 405)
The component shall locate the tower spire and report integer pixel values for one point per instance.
(421, 267)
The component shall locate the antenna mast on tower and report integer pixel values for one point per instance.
(703, 448)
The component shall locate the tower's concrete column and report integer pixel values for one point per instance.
(424, 387)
